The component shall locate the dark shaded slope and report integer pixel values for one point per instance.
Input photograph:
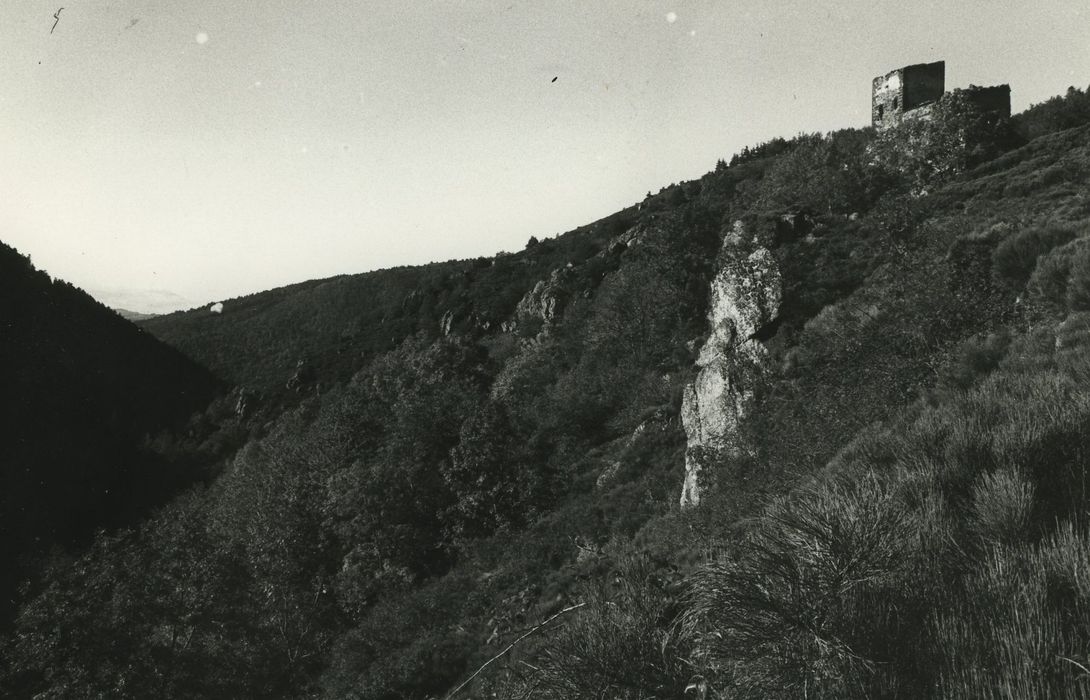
(80, 388)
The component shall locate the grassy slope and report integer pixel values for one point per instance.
(878, 348)
(937, 553)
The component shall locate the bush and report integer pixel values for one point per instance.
(1001, 507)
(1049, 280)
(824, 174)
(1015, 256)
(622, 644)
(974, 359)
(1016, 629)
(1078, 285)
(779, 617)
(1052, 280)
(835, 329)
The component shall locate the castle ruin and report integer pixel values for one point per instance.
(912, 91)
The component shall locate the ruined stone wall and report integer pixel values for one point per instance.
(996, 98)
(900, 92)
(887, 96)
(922, 112)
(924, 84)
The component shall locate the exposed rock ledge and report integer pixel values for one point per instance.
(745, 295)
(546, 300)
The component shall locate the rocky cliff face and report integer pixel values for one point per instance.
(546, 300)
(745, 296)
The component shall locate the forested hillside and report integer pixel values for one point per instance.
(331, 328)
(82, 391)
(866, 356)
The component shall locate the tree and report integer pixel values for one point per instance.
(495, 480)
(154, 612)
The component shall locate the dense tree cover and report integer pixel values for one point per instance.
(336, 326)
(81, 389)
(910, 521)
(1055, 114)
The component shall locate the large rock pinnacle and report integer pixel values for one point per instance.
(745, 296)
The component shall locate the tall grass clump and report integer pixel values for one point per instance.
(623, 643)
(796, 609)
(1018, 626)
(1002, 503)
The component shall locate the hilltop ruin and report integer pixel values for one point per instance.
(912, 91)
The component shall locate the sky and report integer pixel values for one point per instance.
(164, 155)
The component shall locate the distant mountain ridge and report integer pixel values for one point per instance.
(134, 315)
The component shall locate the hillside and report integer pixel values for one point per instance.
(812, 425)
(82, 390)
(134, 315)
(335, 326)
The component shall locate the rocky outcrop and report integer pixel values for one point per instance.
(541, 307)
(658, 422)
(301, 377)
(446, 323)
(745, 296)
(793, 226)
(623, 241)
(244, 403)
(543, 303)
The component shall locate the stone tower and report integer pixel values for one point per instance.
(906, 92)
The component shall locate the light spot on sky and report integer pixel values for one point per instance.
(216, 308)
(671, 17)
(692, 32)
(202, 38)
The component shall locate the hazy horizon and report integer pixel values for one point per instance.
(169, 156)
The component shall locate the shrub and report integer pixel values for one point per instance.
(1016, 629)
(1001, 507)
(975, 358)
(1078, 286)
(1053, 277)
(495, 480)
(1071, 343)
(1015, 256)
(1049, 280)
(824, 174)
(835, 329)
(622, 644)
(783, 616)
